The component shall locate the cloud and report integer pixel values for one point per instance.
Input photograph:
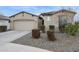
(10, 10)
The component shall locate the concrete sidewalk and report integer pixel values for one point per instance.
(11, 47)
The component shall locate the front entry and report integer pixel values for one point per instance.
(62, 22)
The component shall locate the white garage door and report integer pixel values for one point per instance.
(24, 25)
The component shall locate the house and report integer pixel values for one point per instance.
(27, 21)
(24, 21)
(58, 18)
(5, 21)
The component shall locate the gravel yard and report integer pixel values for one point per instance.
(63, 43)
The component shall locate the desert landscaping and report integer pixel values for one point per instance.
(53, 31)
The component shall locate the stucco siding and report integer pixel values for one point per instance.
(24, 17)
(70, 16)
(54, 19)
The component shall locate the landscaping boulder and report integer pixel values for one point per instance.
(36, 33)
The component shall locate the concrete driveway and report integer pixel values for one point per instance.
(9, 36)
(6, 46)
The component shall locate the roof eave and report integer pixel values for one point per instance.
(22, 12)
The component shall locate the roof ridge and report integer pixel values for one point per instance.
(22, 12)
(54, 12)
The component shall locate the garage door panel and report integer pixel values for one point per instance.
(24, 25)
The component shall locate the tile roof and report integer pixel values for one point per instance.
(2, 17)
(22, 12)
(54, 12)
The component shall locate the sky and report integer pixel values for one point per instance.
(11, 10)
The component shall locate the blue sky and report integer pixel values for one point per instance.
(10, 10)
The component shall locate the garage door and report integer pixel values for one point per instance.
(24, 25)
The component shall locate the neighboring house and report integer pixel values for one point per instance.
(5, 21)
(58, 18)
(24, 21)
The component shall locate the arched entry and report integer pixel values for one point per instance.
(40, 22)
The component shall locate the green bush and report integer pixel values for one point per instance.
(3, 28)
(71, 29)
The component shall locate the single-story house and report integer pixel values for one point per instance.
(24, 21)
(5, 21)
(58, 18)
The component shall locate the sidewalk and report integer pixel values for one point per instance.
(11, 47)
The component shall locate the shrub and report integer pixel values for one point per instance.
(3, 28)
(71, 29)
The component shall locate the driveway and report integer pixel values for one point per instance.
(9, 36)
(7, 46)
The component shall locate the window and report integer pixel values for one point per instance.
(48, 18)
(62, 20)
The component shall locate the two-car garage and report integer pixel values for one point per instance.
(25, 25)
(24, 21)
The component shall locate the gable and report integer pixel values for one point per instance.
(64, 13)
(23, 15)
(57, 12)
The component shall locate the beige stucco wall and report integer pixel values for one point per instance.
(54, 19)
(23, 17)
